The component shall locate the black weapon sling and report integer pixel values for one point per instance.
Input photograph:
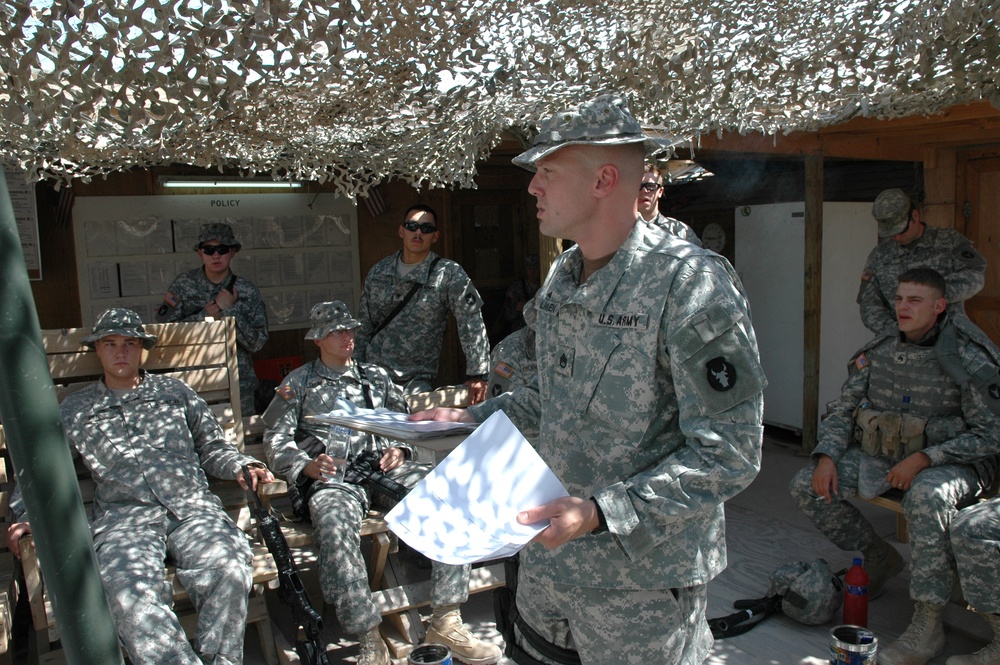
(402, 303)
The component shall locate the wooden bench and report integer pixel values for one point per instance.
(397, 602)
(203, 355)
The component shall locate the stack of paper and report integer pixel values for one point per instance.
(466, 509)
(393, 425)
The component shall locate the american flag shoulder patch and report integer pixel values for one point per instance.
(286, 392)
(867, 275)
(504, 370)
(171, 299)
(861, 361)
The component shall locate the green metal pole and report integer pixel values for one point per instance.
(29, 410)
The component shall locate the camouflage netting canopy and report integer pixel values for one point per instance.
(422, 89)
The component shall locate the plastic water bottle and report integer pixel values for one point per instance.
(856, 595)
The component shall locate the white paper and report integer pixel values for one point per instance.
(465, 510)
(391, 424)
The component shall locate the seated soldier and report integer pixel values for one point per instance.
(916, 414)
(298, 449)
(148, 441)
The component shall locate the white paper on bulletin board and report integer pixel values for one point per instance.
(298, 249)
(22, 199)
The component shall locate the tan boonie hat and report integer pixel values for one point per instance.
(217, 231)
(603, 121)
(119, 321)
(328, 317)
(892, 211)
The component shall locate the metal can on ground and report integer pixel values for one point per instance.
(430, 654)
(852, 645)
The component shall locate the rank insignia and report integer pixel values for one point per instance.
(994, 391)
(721, 374)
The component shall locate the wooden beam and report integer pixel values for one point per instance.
(813, 291)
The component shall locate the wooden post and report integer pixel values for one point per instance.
(813, 289)
(548, 250)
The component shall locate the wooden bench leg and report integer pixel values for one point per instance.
(257, 615)
(902, 528)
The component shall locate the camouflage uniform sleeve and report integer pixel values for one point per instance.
(364, 333)
(969, 275)
(836, 430)
(281, 419)
(981, 438)
(177, 301)
(219, 457)
(250, 315)
(522, 405)
(876, 313)
(466, 304)
(707, 341)
(687, 233)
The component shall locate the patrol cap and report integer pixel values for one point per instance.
(602, 121)
(217, 231)
(810, 592)
(328, 317)
(892, 211)
(119, 321)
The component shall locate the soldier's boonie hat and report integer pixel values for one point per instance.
(328, 317)
(119, 321)
(217, 231)
(892, 211)
(603, 121)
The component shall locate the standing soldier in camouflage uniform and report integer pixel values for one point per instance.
(214, 291)
(648, 400)
(148, 441)
(975, 541)
(297, 448)
(918, 413)
(406, 339)
(650, 192)
(906, 242)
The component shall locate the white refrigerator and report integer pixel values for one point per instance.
(770, 259)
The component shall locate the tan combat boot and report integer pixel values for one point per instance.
(373, 650)
(922, 640)
(882, 563)
(447, 628)
(988, 655)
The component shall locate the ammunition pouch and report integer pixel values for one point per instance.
(889, 434)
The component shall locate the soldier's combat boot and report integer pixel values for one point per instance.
(988, 655)
(373, 650)
(922, 640)
(447, 628)
(882, 563)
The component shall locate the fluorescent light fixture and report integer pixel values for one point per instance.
(196, 182)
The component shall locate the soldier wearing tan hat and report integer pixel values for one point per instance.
(648, 405)
(905, 243)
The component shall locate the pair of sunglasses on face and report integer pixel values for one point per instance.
(211, 250)
(649, 186)
(423, 228)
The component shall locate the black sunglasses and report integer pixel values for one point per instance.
(649, 186)
(423, 228)
(211, 250)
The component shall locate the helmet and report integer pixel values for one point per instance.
(810, 592)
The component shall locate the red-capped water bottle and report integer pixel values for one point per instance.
(856, 595)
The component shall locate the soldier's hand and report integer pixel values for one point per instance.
(391, 459)
(212, 309)
(569, 518)
(824, 478)
(225, 299)
(322, 466)
(443, 413)
(258, 474)
(477, 390)
(901, 476)
(15, 532)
